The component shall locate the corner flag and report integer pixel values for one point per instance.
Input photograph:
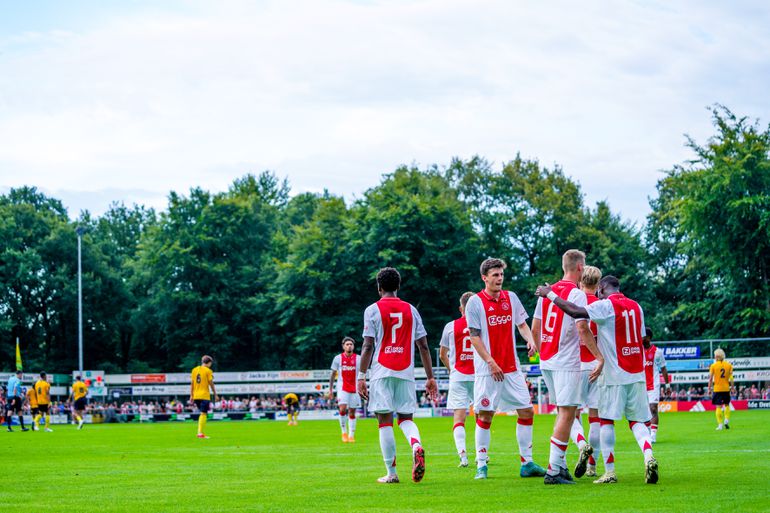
(18, 356)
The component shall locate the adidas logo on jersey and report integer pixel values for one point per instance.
(491, 309)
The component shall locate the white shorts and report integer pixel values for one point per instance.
(589, 391)
(460, 395)
(507, 395)
(392, 395)
(629, 400)
(352, 399)
(563, 387)
(653, 396)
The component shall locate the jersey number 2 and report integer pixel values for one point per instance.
(722, 373)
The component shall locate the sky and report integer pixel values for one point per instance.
(125, 101)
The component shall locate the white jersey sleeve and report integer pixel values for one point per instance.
(600, 311)
(372, 322)
(578, 298)
(336, 363)
(447, 335)
(419, 327)
(519, 313)
(660, 360)
(474, 313)
(538, 309)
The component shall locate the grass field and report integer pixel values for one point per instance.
(269, 466)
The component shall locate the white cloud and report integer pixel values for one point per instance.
(333, 94)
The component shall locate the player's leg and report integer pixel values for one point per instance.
(343, 410)
(459, 398)
(354, 402)
(9, 415)
(637, 411)
(20, 412)
(610, 410)
(381, 404)
(654, 421)
(203, 407)
(564, 388)
(486, 393)
(727, 410)
(594, 438)
(387, 446)
(405, 402)
(515, 396)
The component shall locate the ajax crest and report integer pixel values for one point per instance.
(505, 306)
(485, 402)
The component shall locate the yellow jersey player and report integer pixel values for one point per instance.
(32, 400)
(202, 379)
(721, 378)
(43, 392)
(79, 393)
(292, 407)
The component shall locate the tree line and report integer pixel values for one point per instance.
(262, 279)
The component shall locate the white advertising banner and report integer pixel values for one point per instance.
(703, 377)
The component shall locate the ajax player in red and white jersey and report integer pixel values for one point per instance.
(623, 390)
(392, 327)
(557, 337)
(493, 316)
(345, 369)
(589, 390)
(654, 365)
(457, 355)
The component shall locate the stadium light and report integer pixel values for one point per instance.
(80, 231)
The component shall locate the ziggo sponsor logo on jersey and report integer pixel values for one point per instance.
(394, 350)
(628, 351)
(496, 320)
(348, 367)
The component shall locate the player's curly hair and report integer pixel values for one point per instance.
(345, 339)
(388, 279)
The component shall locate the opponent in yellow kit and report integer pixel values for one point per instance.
(201, 380)
(43, 393)
(79, 394)
(721, 378)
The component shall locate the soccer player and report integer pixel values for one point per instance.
(79, 394)
(201, 388)
(623, 390)
(392, 327)
(493, 315)
(654, 365)
(345, 369)
(292, 407)
(32, 400)
(43, 392)
(15, 400)
(720, 380)
(589, 282)
(457, 355)
(557, 337)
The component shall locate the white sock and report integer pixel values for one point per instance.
(557, 458)
(524, 438)
(483, 437)
(608, 445)
(343, 427)
(642, 435)
(412, 434)
(388, 447)
(459, 434)
(352, 426)
(577, 434)
(594, 438)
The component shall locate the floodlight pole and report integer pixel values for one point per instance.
(80, 231)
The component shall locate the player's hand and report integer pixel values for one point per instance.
(216, 398)
(191, 398)
(497, 372)
(432, 388)
(597, 371)
(362, 391)
(531, 349)
(543, 290)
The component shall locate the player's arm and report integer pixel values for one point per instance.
(367, 351)
(588, 340)
(443, 355)
(664, 373)
(478, 345)
(331, 383)
(213, 388)
(536, 332)
(427, 362)
(571, 309)
(731, 376)
(72, 395)
(711, 378)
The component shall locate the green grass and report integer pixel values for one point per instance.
(269, 466)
